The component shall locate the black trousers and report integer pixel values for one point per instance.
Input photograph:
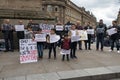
(116, 41)
(73, 49)
(52, 46)
(67, 56)
(20, 35)
(100, 39)
(88, 42)
(80, 44)
(8, 37)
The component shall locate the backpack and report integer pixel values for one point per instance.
(66, 44)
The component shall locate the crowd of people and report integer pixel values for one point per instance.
(65, 43)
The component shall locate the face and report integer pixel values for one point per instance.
(7, 21)
(78, 23)
(66, 37)
(20, 22)
(101, 21)
(52, 31)
(73, 27)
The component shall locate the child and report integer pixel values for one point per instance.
(40, 45)
(73, 33)
(52, 46)
(29, 33)
(65, 46)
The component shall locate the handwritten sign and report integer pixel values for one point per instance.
(40, 37)
(19, 28)
(28, 51)
(75, 38)
(54, 38)
(90, 31)
(59, 28)
(111, 31)
(83, 35)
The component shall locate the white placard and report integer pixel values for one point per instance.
(90, 31)
(19, 28)
(54, 38)
(28, 51)
(64, 52)
(75, 38)
(83, 35)
(40, 37)
(59, 28)
(111, 31)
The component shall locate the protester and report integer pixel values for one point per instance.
(40, 45)
(7, 30)
(78, 27)
(52, 46)
(100, 34)
(115, 37)
(29, 33)
(65, 45)
(72, 33)
(88, 42)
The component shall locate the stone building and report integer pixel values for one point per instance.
(118, 18)
(40, 10)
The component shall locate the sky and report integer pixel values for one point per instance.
(102, 9)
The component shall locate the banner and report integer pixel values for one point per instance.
(54, 38)
(111, 31)
(46, 28)
(59, 28)
(63, 51)
(19, 28)
(40, 37)
(90, 31)
(28, 51)
(75, 38)
(83, 35)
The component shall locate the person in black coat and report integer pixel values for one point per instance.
(88, 42)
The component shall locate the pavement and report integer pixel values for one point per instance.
(11, 69)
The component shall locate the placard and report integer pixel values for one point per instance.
(40, 37)
(111, 31)
(64, 52)
(59, 28)
(19, 28)
(46, 28)
(75, 38)
(28, 51)
(90, 31)
(83, 35)
(54, 38)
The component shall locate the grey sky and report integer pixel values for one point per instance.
(102, 9)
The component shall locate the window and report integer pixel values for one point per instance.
(49, 8)
(56, 8)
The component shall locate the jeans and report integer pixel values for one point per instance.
(73, 49)
(100, 39)
(116, 41)
(40, 49)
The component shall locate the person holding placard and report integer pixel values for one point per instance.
(73, 33)
(29, 33)
(88, 42)
(78, 27)
(100, 34)
(40, 44)
(20, 34)
(65, 46)
(52, 45)
(115, 37)
(7, 30)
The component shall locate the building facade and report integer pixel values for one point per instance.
(118, 18)
(51, 10)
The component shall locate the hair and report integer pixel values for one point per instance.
(53, 30)
(115, 21)
(66, 35)
(39, 29)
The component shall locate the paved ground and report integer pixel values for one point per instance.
(11, 67)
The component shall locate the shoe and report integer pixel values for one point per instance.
(89, 49)
(80, 48)
(75, 57)
(6, 51)
(118, 51)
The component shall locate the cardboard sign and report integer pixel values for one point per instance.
(83, 35)
(54, 38)
(59, 28)
(64, 52)
(90, 31)
(19, 28)
(28, 51)
(40, 37)
(111, 31)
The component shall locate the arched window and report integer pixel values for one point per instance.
(56, 9)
